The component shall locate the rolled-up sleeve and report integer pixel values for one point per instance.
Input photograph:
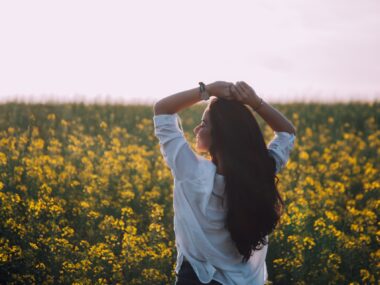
(174, 147)
(280, 147)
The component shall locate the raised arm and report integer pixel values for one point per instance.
(283, 141)
(275, 119)
(174, 103)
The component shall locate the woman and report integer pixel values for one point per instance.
(224, 209)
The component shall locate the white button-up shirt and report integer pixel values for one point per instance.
(199, 229)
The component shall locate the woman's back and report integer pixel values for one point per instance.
(199, 208)
(201, 235)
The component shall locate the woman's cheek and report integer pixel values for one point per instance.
(200, 143)
(205, 141)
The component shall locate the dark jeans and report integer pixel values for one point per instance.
(187, 276)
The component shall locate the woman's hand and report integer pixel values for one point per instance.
(244, 93)
(220, 89)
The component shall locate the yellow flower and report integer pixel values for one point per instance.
(11, 130)
(93, 215)
(4, 257)
(127, 195)
(3, 158)
(153, 275)
(332, 216)
(67, 232)
(157, 211)
(103, 125)
(308, 132)
(64, 122)
(319, 224)
(364, 239)
(357, 228)
(309, 242)
(33, 245)
(41, 265)
(364, 274)
(84, 204)
(279, 262)
(127, 211)
(85, 264)
(309, 180)
(74, 183)
(304, 155)
(334, 260)
(51, 117)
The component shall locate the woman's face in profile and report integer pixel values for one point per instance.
(202, 132)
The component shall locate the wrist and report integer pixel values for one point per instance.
(204, 92)
(209, 88)
(256, 103)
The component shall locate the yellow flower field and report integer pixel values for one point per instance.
(86, 197)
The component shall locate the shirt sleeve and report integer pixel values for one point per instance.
(280, 147)
(177, 153)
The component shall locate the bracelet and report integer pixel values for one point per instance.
(202, 87)
(204, 94)
(260, 104)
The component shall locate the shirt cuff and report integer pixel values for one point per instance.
(284, 134)
(168, 119)
(165, 118)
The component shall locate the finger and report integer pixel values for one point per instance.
(244, 83)
(244, 94)
(233, 90)
(228, 96)
(248, 87)
(245, 87)
(240, 89)
(238, 94)
(230, 89)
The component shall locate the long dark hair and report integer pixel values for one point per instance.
(254, 205)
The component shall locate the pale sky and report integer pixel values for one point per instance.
(124, 51)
